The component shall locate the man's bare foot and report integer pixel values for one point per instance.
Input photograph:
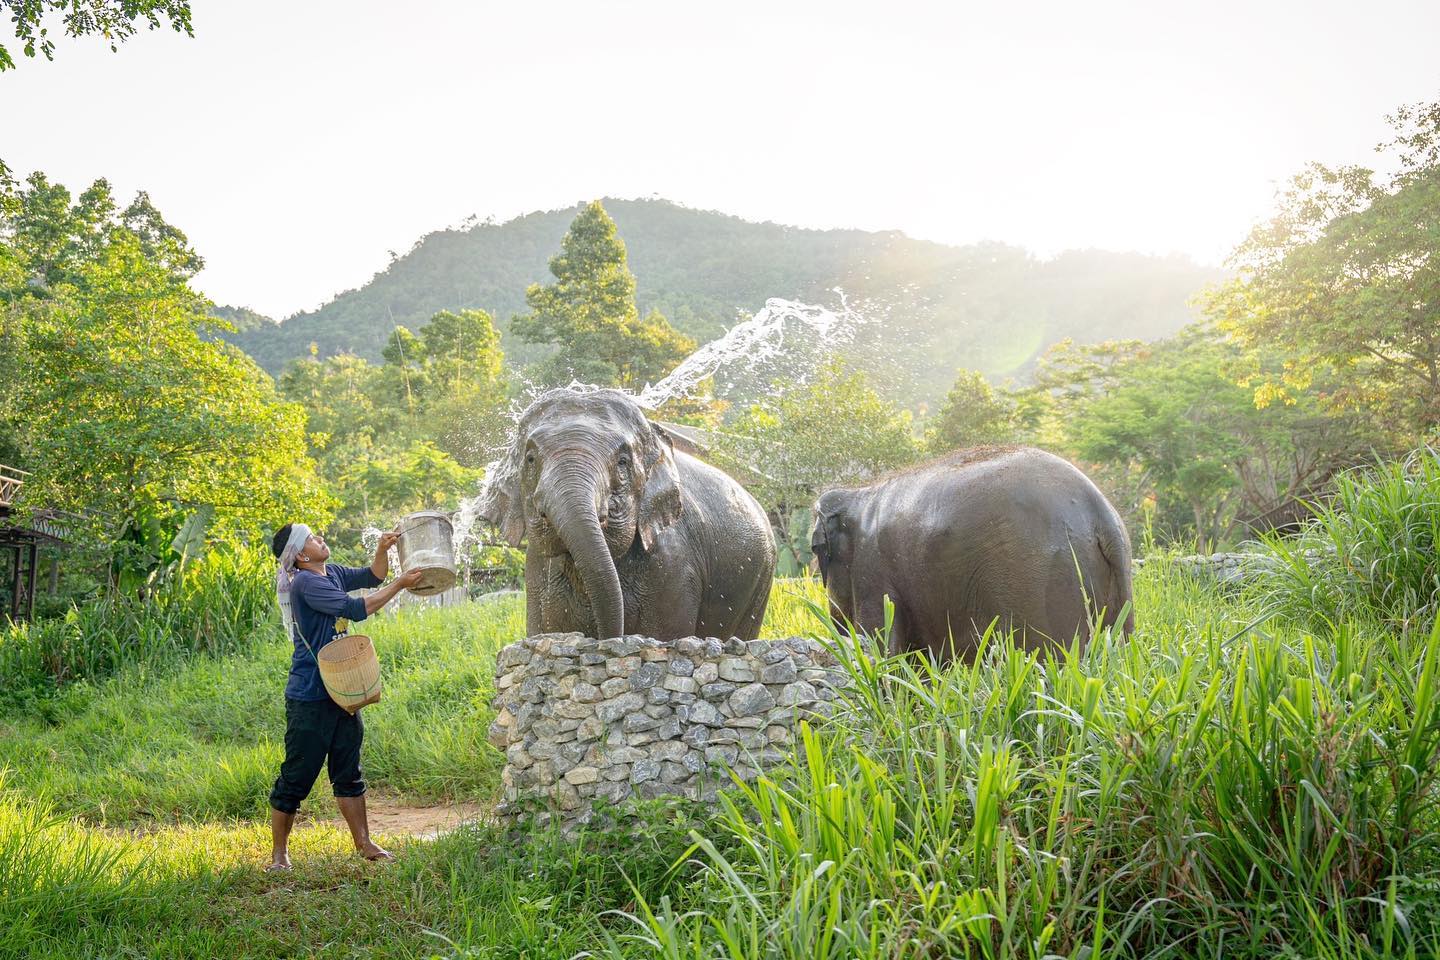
(371, 850)
(278, 865)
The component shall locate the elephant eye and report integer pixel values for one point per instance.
(530, 458)
(624, 462)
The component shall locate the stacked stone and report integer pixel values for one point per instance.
(635, 717)
(1225, 569)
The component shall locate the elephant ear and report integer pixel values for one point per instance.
(500, 502)
(820, 543)
(660, 495)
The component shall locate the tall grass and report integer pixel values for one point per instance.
(1204, 789)
(1372, 551)
(223, 602)
(204, 739)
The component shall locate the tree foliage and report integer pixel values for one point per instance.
(972, 415)
(589, 313)
(833, 431)
(1169, 427)
(1346, 278)
(124, 408)
(115, 20)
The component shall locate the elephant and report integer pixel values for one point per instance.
(1008, 533)
(625, 534)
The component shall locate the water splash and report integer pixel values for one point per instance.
(785, 339)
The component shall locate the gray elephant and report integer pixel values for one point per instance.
(624, 533)
(1012, 533)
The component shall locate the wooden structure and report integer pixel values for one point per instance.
(23, 543)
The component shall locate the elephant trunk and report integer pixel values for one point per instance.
(572, 509)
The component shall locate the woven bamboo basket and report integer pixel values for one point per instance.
(350, 671)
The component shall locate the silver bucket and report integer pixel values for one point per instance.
(426, 543)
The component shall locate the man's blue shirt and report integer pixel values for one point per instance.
(315, 603)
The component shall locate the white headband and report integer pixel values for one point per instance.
(285, 573)
(299, 533)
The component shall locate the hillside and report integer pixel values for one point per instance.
(988, 306)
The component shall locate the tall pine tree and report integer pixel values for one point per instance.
(589, 313)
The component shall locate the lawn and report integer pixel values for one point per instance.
(1221, 784)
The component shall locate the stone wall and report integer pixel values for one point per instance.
(580, 719)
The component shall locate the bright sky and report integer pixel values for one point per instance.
(298, 142)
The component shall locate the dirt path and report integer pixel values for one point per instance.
(394, 818)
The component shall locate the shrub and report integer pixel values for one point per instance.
(221, 603)
(1370, 551)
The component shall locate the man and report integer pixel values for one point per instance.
(312, 596)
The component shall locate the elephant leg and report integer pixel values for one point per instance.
(748, 627)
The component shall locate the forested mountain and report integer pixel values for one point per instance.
(990, 307)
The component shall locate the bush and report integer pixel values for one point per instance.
(1193, 791)
(220, 604)
(1370, 551)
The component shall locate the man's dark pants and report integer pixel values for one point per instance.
(317, 730)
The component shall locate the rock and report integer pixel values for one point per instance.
(797, 693)
(693, 761)
(746, 722)
(636, 722)
(733, 646)
(706, 673)
(737, 670)
(640, 739)
(657, 710)
(513, 655)
(580, 775)
(646, 676)
(657, 695)
(591, 659)
(644, 770)
(718, 690)
(778, 734)
(620, 771)
(696, 736)
(702, 712)
(619, 646)
(614, 709)
(724, 753)
(782, 672)
(586, 693)
(668, 750)
(499, 733)
(615, 791)
(751, 699)
(682, 666)
(573, 710)
(590, 729)
(623, 666)
(673, 773)
(625, 754)
(681, 684)
(690, 647)
(774, 654)
(614, 686)
(594, 675)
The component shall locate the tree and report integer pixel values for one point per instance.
(115, 20)
(972, 415)
(125, 407)
(1346, 278)
(589, 312)
(1169, 424)
(833, 431)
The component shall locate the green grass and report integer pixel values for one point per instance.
(1213, 787)
(205, 739)
(1220, 785)
(1372, 551)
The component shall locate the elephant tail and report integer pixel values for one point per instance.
(1115, 548)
